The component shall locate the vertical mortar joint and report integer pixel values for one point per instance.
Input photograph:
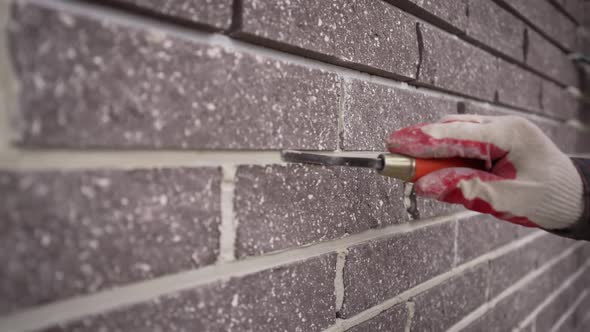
(410, 201)
(411, 308)
(236, 18)
(525, 44)
(339, 281)
(340, 115)
(540, 101)
(227, 228)
(461, 107)
(420, 39)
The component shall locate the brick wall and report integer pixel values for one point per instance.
(142, 188)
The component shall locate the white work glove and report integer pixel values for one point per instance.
(529, 180)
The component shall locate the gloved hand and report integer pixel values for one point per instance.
(529, 180)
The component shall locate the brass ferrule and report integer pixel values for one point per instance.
(398, 166)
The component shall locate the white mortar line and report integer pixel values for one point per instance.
(127, 159)
(227, 229)
(569, 312)
(411, 309)
(344, 324)
(339, 279)
(117, 297)
(530, 318)
(216, 39)
(477, 313)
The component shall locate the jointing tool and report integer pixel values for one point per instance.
(388, 164)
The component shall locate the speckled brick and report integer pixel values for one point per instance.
(551, 313)
(428, 208)
(550, 60)
(547, 18)
(451, 12)
(69, 233)
(451, 64)
(89, 82)
(512, 309)
(581, 314)
(557, 102)
(509, 268)
(392, 319)
(582, 139)
(518, 87)
(373, 111)
(277, 207)
(381, 269)
(440, 307)
(365, 33)
(583, 40)
(213, 13)
(497, 28)
(575, 8)
(480, 234)
(566, 138)
(295, 297)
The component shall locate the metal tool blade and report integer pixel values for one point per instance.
(331, 160)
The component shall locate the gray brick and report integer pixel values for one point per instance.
(358, 33)
(428, 208)
(575, 8)
(583, 40)
(213, 13)
(551, 313)
(496, 28)
(479, 325)
(512, 309)
(277, 207)
(373, 111)
(382, 269)
(482, 233)
(557, 102)
(582, 139)
(393, 319)
(566, 138)
(452, 64)
(547, 18)
(452, 12)
(581, 315)
(518, 87)
(69, 233)
(509, 268)
(440, 307)
(550, 60)
(94, 83)
(295, 297)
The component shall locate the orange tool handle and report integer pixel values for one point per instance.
(426, 166)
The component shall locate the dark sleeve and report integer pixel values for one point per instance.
(581, 229)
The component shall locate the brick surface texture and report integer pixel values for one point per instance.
(141, 185)
(362, 33)
(57, 241)
(295, 297)
(213, 13)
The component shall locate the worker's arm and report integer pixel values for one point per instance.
(529, 181)
(580, 230)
